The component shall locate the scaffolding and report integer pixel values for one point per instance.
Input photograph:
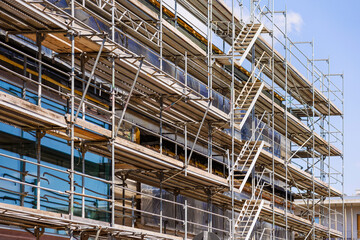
(158, 129)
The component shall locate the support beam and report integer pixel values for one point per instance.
(161, 124)
(39, 38)
(128, 99)
(210, 154)
(198, 132)
(39, 136)
(90, 78)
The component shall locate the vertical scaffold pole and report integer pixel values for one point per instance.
(232, 101)
(38, 43)
(161, 124)
(22, 176)
(161, 34)
(209, 47)
(313, 138)
(286, 129)
(25, 81)
(176, 13)
(39, 135)
(210, 148)
(185, 126)
(161, 177)
(273, 115)
(185, 148)
(83, 185)
(113, 120)
(83, 71)
(209, 209)
(343, 148)
(185, 219)
(72, 113)
(329, 154)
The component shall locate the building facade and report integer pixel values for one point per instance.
(145, 119)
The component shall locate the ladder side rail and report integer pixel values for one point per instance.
(253, 206)
(247, 143)
(255, 218)
(252, 105)
(256, 140)
(250, 168)
(247, 34)
(255, 196)
(256, 77)
(243, 57)
(253, 202)
(251, 75)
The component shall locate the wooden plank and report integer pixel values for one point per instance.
(62, 221)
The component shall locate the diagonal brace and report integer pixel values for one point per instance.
(128, 99)
(289, 159)
(89, 81)
(198, 133)
(98, 233)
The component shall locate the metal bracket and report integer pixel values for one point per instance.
(40, 134)
(38, 231)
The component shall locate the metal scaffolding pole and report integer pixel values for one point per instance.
(23, 92)
(82, 147)
(210, 154)
(161, 34)
(39, 39)
(113, 117)
(313, 143)
(128, 98)
(90, 78)
(185, 148)
(209, 47)
(286, 130)
(22, 177)
(161, 124)
(210, 75)
(329, 154)
(232, 120)
(72, 114)
(161, 178)
(343, 149)
(273, 115)
(209, 193)
(39, 135)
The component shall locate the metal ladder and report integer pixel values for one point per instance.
(251, 209)
(245, 40)
(247, 37)
(250, 92)
(248, 155)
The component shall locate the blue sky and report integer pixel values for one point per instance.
(334, 26)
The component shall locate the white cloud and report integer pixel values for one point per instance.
(294, 22)
(294, 25)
